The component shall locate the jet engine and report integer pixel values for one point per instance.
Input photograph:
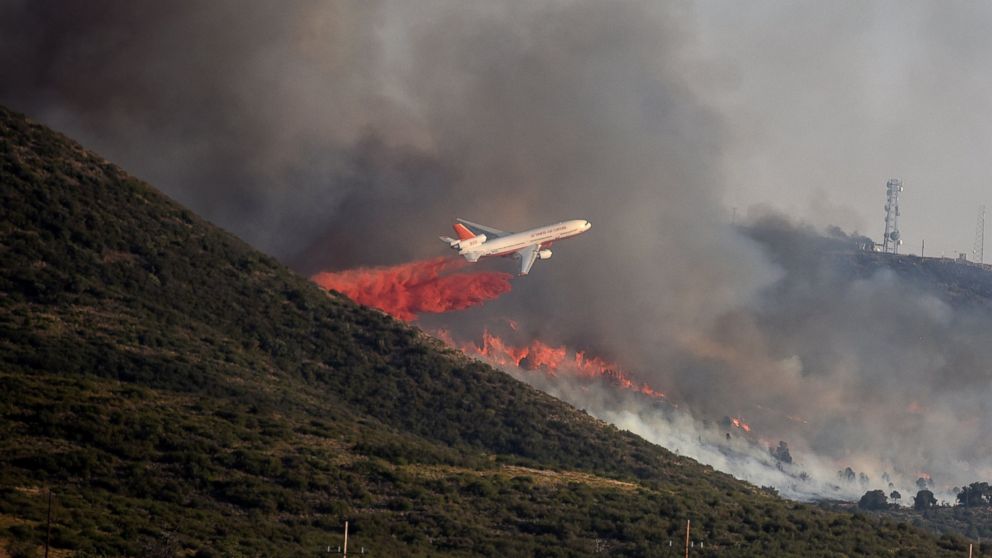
(544, 255)
(470, 243)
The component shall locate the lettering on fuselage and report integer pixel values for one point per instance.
(515, 242)
(540, 236)
(556, 228)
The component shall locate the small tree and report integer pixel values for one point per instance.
(874, 500)
(924, 500)
(781, 453)
(895, 497)
(847, 475)
(975, 494)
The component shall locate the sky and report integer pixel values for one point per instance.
(826, 101)
(818, 103)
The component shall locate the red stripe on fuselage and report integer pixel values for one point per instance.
(543, 244)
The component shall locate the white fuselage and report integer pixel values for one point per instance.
(515, 242)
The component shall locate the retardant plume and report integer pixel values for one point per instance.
(406, 290)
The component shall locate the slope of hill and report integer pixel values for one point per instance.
(840, 257)
(183, 394)
(960, 283)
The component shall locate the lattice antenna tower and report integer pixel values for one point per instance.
(978, 252)
(892, 239)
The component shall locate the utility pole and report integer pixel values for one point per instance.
(48, 535)
(687, 538)
(343, 550)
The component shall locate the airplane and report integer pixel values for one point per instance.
(477, 241)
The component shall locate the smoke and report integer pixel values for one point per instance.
(887, 361)
(720, 444)
(349, 134)
(406, 290)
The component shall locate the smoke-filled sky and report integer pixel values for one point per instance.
(825, 100)
(807, 107)
(342, 134)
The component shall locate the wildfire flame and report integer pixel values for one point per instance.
(408, 289)
(538, 355)
(739, 423)
(439, 285)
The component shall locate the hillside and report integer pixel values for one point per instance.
(839, 257)
(961, 284)
(183, 394)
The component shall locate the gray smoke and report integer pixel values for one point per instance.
(341, 134)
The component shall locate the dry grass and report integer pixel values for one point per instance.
(545, 477)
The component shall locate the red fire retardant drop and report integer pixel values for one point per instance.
(409, 289)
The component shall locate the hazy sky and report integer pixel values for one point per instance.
(816, 103)
(827, 100)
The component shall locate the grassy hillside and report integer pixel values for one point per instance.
(972, 522)
(183, 394)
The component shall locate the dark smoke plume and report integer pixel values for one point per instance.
(347, 134)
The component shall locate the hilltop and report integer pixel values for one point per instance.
(183, 394)
(838, 257)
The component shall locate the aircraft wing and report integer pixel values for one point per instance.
(527, 257)
(490, 232)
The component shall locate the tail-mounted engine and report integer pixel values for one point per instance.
(469, 243)
(466, 244)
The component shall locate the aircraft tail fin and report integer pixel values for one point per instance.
(462, 231)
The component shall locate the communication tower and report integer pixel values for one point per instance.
(892, 239)
(978, 253)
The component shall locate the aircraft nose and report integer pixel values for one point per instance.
(587, 226)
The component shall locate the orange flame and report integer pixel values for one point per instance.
(538, 355)
(739, 423)
(409, 289)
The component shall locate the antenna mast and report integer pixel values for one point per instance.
(978, 252)
(891, 240)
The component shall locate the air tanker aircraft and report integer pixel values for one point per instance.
(477, 241)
